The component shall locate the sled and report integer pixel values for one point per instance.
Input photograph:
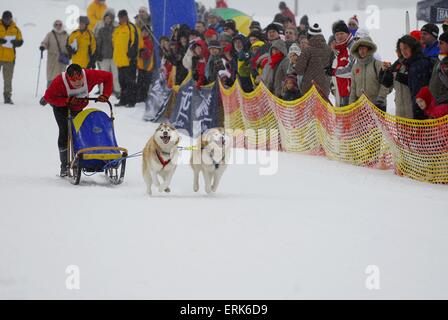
(93, 148)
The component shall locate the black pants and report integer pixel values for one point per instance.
(144, 80)
(61, 116)
(127, 77)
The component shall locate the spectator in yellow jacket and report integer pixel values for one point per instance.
(82, 45)
(95, 12)
(145, 65)
(126, 42)
(10, 39)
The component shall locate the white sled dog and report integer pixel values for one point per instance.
(210, 158)
(160, 158)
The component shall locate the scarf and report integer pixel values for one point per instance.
(276, 59)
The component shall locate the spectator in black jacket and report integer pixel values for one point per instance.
(419, 70)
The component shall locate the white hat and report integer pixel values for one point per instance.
(315, 30)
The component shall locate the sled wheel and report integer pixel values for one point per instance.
(116, 175)
(75, 171)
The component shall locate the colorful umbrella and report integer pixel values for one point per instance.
(241, 19)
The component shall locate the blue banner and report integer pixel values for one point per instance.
(167, 13)
(193, 110)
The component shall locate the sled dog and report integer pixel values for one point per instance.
(160, 157)
(210, 158)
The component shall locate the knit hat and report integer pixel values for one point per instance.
(294, 49)
(255, 25)
(110, 13)
(293, 78)
(444, 37)
(84, 19)
(210, 33)
(340, 26)
(282, 5)
(225, 37)
(7, 15)
(257, 44)
(214, 44)
(122, 13)
(416, 34)
(432, 29)
(315, 30)
(273, 26)
(230, 24)
(354, 20)
(305, 21)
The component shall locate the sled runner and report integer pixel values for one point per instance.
(93, 148)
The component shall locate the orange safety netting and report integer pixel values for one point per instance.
(360, 134)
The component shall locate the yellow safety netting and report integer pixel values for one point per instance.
(360, 134)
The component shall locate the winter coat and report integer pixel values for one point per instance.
(366, 75)
(342, 68)
(105, 49)
(432, 110)
(198, 71)
(419, 70)
(126, 41)
(397, 78)
(273, 78)
(311, 65)
(439, 85)
(56, 95)
(145, 59)
(432, 51)
(95, 13)
(257, 59)
(9, 54)
(54, 67)
(291, 95)
(85, 47)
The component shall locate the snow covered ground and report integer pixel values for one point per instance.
(309, 231)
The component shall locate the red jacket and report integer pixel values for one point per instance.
(288, 13)
(342, 67)
(221, 4)
(56, 95)
(432, 109)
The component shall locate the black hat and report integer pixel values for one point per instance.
(340, 26)
(255, 25)
(84, 19)
(444, 37)
(230, 24)
(122, 13)
(282, 5)
(7, 15)
(214, 44)
(275, 26)
(432, 29)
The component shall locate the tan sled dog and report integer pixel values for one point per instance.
(210, 158)
(160, 158)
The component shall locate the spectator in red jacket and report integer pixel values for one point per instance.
(426, 101)
(221, 4)
(287, 12)
(198, 65)
(69, 91)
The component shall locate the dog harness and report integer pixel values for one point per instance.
(163, 162)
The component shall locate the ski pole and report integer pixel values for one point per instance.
(38, 73)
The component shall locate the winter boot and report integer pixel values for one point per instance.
(64, 162)
(8, 100)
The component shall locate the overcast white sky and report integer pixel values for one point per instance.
(269, 7)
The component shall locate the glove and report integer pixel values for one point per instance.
(74, 101)
(3, 41)
(380, 102)
(102, 98)
(42, 48)
(42, 102)
(16, 43)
